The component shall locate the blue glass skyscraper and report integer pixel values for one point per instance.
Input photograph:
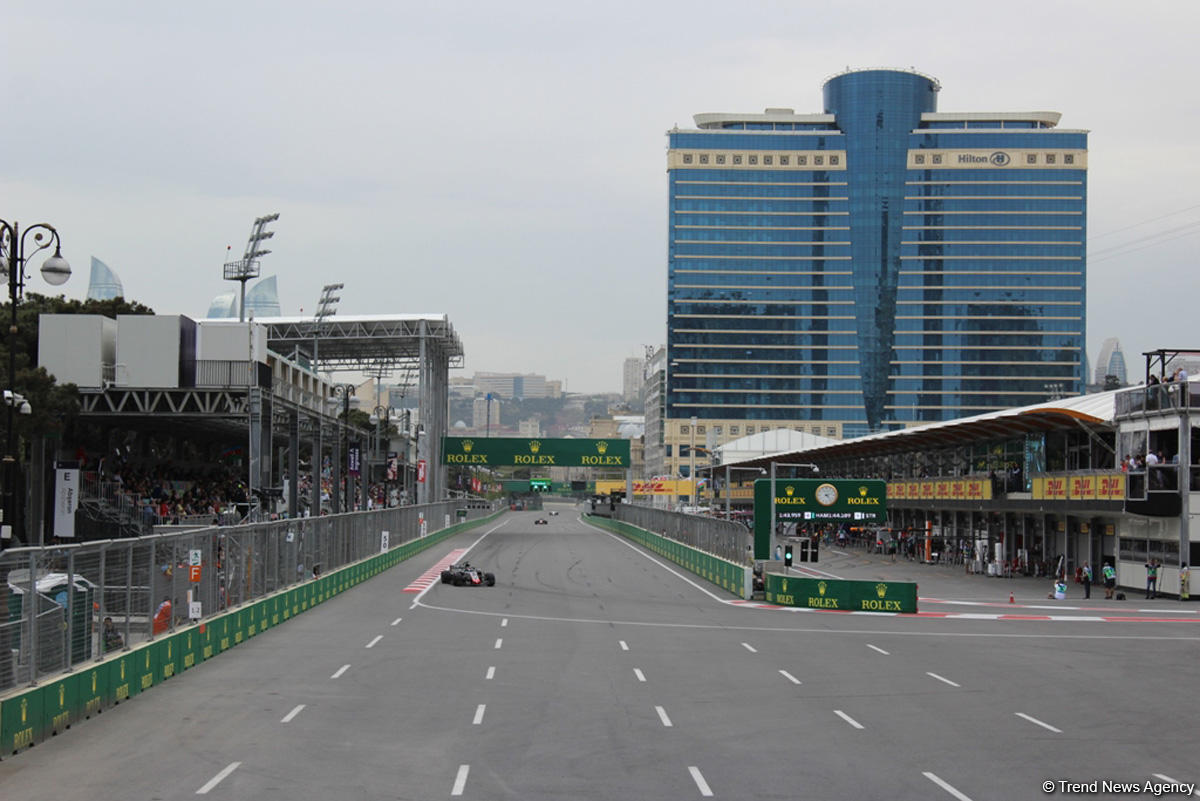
(874, 266)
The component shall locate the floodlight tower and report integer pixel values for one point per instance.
(246, 267)
(326, 307)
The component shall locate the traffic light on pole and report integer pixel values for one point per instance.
(787, 555)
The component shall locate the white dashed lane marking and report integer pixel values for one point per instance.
(215, 780)
(749, 648)
(291, 715)
(1037, 722)
(624, 647)
(378, 637)
(933, 777)
(662, 715)
(640, 676)
(479, 714)
(876, 648)
(460, 781)
(847, 718)
(499, 642)
(491, 673)
(698, 778)
(789, 677)
(340, 671)
(397, 621)
(942, 679)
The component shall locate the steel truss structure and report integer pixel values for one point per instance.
(424, 345)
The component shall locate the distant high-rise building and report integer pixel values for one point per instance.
(877, 265)
(1111, 362)
(480, 413)
(511, 385)
(104, 283)
(631, 379)
(262, 300)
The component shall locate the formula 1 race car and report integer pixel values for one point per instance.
(464, 575)
(541, 521)
(553, 512)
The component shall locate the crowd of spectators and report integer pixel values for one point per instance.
(168, 493)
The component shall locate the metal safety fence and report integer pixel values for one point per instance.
(64, 605)
(723, 538)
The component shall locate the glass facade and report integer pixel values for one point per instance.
(877, 265)
(104, 283)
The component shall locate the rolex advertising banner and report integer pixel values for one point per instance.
(852, 596)
(816, 500)
(540, 452)
(66, 501)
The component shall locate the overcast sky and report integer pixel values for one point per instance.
(505, 163)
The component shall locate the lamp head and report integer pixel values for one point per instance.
(56, 270)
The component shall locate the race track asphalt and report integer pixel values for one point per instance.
(596, 670)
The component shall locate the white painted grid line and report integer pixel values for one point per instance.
(624, 647)
(933, 777)
(290, 715)
(378, 637)
(876, 648)
(662, 715)
(491, 673)
(1037, 722)
(698, 778)
(499, 642)
(749, 648)
(789, 677)
(942, 678)
(215, 780)
(478, 714)
(460, 781)
(1169, 780)
(397, 621)
(340, 671)
(847, 718)
(640, 675)
(503, 622)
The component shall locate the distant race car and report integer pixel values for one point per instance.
(541, 521)
(553, 512)
(465, 575)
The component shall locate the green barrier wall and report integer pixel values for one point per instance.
(29, 717)
(846, 596)
(728, 576)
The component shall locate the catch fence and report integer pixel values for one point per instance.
(65, 605)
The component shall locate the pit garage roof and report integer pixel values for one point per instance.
(364, 342)
(1088, 410)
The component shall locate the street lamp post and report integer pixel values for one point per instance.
(381, 416)
(692, 467)
(16, 245)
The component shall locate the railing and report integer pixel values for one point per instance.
(66, 605)
(223, 373)
(721, 538)
(1172, 395)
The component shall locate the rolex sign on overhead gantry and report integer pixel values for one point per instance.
(541, 452)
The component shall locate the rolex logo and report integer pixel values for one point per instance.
(789, 490)
(467, 445)
(862, 491)
(535, 446)
(821, 587)
(881, 590)
(601, 447)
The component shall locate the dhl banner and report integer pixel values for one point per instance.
(948, 489)
(1084, 487)
(656, 486)
(1067, 487)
